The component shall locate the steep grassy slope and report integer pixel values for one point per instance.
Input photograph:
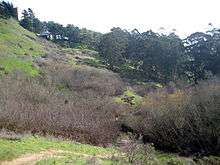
(18, 47)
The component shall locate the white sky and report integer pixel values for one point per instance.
(186, 16)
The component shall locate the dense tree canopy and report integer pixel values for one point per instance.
(90, 38)
(160, 54)
(203, 50)
(113, 47)
(163, 58)
(73, 34)
(146, 56)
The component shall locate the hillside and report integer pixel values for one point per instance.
(26, 149)
(63, 106)
(27, 62)
(18, 48)
(38, 150)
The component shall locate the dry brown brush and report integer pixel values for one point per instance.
(40, 106)
(187, 121)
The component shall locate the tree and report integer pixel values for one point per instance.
(56, 30)
(90, 38)
(30, 22)
(7, 10)
(203, 50)
(73, 34)
(113, 47)
(37, 25)
(158, 56)
(25, 21)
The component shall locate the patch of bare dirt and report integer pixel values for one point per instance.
(31, 159)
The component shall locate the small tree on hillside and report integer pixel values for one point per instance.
(30, 22)
(7, 10)
(25, 22)
(73, 34)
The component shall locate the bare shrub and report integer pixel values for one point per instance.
(27, 105)
(186, 121)
(9, 135)
(93, 161)
(139, 153)
(211, 160)
(84, 79)
(144, 89)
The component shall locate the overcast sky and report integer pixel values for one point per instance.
(186, 16)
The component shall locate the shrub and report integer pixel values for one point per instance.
(186, 121)
(27, 105)
(84, 79)
(138, 153)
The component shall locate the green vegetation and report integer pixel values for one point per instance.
(11, 149)
(81, 46)
(78, 160)
(182, 121)
(169, 105)
(84, 57)
(18, 47)
(146, 56)
(12, 64)
(150, 56)
(7, 10)
(86, 60)
(94, 62)
(129, 97)
(14, 40)
(68, 152)
(171, 158)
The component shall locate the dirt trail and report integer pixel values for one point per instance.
(31, 159)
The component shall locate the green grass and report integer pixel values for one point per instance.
(15, 40)
(18, 47)
(62, 161)
(87, 60)
(73, 62)
(14, 148)
(84, 58)
(78, 160)
(81, 46)
(12, 64)
(80, 154)
(128, 93)
(11, 149)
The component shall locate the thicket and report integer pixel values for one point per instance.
(185, 121)
(74, 104)
(84, 79)
(76, 101)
